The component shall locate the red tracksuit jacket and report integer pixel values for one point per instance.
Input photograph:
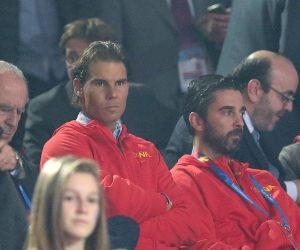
(231, 222)
(133, 176)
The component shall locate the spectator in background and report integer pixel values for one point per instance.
(275, 28)
(244, 208)
(13, 98)
(68, 207)
(168, 43)
(135, 178)
(48, 111)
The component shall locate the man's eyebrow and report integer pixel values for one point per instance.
(122, 79)
(227, 107)
(6, 105)
(95, 79)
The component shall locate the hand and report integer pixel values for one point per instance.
(213, 26)
(7, 157)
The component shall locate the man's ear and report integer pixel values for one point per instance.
(254, 90)
(77, 87)
(196, 122)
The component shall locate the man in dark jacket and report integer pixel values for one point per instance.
(13, 98)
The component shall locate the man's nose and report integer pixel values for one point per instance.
(239, 122)
(111, 91)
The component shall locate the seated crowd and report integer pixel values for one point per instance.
(94, 172)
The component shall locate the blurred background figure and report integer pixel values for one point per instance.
(168, 43)
(68, 207)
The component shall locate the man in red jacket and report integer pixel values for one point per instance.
(135, 177)
(244, 208)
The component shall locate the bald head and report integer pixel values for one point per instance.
(277, 61)
(264, 54)
(261, 65)
(269, 82)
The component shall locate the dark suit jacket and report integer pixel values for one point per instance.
(270, 25)
(45, 113)
(148, 32)
(13, 224)
(249, 152)
(180, 143)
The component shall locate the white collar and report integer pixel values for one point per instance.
(248, 122)
(83, 119)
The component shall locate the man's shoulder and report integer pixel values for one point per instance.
(137, 140)
(189, 165)
(292, 149)
(70, 128)
(263, 176)
(67, 139)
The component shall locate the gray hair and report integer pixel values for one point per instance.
(8, 67)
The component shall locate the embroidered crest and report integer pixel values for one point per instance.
(142, 154)
(204, 159)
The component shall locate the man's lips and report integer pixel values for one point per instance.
(112, 107)
(237, 133)
(5, 134)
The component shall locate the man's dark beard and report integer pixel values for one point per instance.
(220, 144)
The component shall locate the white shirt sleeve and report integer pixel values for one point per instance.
(291, 189)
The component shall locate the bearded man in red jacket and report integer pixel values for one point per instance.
(245, 208)
(135, 178)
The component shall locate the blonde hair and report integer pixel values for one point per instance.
(46, 229)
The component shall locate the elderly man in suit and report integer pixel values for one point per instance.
(269, 82)
(13, 98)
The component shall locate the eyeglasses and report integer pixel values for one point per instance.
(71, 58)
(286, 98)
